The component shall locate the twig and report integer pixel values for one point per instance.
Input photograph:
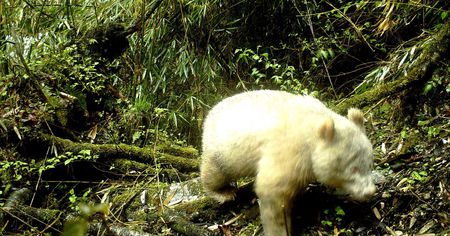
(140, 22)
(358, 31)
(51, 224)
(17, 218)
(315, 41)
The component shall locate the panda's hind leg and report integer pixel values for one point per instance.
(215, 181)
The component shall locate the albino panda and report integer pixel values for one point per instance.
(285, 141)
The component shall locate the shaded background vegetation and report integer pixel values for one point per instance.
(191, 53)
(68, 68)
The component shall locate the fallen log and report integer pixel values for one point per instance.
(437, 47)
(37, 144)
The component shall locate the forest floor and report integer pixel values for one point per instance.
(139, 196)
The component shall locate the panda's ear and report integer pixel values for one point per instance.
(357, 117)
(326, 130)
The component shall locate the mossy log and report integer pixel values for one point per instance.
(95, 228)
(183, 225)
(37, 218)
(427, 60)
(128, 165)
(39, 143)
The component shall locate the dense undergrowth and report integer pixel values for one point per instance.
(59, 77)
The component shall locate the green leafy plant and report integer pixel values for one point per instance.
(437, 81)
(327, 223)
(71, 70)
(79, 225)
(268, 72)
(432, 130)
(333, 217)
(16, 170)
(76, 201)
(418, 176)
